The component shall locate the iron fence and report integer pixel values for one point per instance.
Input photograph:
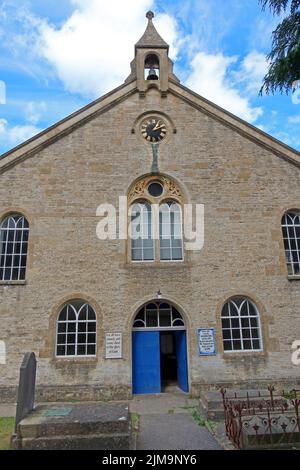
(257, 419)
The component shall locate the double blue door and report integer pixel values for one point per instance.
(146, 373)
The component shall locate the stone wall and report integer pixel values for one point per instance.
(245, 189)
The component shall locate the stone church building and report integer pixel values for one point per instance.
(108, 318)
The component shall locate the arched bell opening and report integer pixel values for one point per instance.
(152, 68)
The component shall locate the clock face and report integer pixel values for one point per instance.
(153, 129)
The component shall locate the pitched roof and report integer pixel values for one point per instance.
(106, 102)
(228, 119)
(151, 38)
(66, 125)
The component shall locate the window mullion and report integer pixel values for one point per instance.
(5, 254)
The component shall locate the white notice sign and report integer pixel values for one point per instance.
(113, 345)
(206, 342)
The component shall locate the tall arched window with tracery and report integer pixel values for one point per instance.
(142, 243)
(14, 235)
(291, 239)
(76, 330)
(241, 327)
(156, 220)
(170, 232)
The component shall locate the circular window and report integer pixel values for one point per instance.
(155, 189)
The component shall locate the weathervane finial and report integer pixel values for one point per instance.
(150, 15)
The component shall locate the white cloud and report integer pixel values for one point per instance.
(11, 136)
(93, 48)
(34, 110)
(294, 119)
(252, 71)
(167, 28)
(3, 123)
(210, 78)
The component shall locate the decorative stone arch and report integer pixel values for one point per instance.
(172, 189)
(50, 340)
(16, 210)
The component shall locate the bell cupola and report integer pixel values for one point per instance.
(152, 66)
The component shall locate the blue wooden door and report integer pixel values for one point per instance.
(146, 362)
(182, 369)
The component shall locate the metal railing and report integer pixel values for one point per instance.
(267, 419)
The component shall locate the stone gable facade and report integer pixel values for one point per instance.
(246, 182)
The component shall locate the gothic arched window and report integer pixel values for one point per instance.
(241, 326)
(170, 232)
(291, 238)
(76, 330)
(14, 234)
(156, 220)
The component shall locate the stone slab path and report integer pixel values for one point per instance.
(166, 423)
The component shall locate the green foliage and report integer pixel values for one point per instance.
(198, 418)
(284, 57)
(278, 6)
(135, 419)
(292, 395)
(6, 430)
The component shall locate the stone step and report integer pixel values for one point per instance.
(79, 442)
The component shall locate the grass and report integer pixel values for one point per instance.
(211, 425)
(290, 395)
(135, 422)
(6, 429)
(198, 418)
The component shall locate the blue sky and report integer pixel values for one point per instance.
(55, 57)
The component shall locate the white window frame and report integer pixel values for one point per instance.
(143, 204)
(77, 312)
(171, 203)
(20, 225)
(240, 328)
(158, 311)
(154, 229)
(291, 221)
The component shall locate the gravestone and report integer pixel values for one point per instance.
(26, 390)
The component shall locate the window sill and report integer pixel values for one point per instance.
(243, 354)
(62, 360)
(13, 283)
(294, 278)
(157, 265)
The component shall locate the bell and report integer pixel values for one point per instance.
(152, 75)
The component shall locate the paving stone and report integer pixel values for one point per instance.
(174, 432)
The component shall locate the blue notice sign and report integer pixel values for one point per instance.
(206, 342)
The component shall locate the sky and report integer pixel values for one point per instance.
(57, 56)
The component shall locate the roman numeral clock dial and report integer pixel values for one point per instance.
(153, 130)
